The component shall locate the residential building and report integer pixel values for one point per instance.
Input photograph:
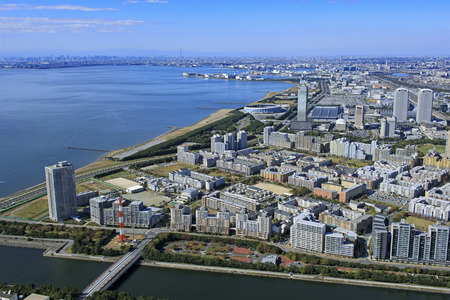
(379, 245)
(402, 240)
(206, 223)
(308, 234)
(183, 155)
(424, 106)
(266, 134)
(240, 165)
(61, 191)
(336, 244)
(401, 104)
(180, 218)
(261, 227)
(388, 126)
(105, 211)
(307, 180)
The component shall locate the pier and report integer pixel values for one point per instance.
(88, 149)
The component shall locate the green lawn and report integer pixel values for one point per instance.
(420, 223)
(33, 210)
(424, 148)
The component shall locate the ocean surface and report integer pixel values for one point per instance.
(43, 112)
(29, 266)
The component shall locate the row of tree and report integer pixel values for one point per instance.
(86, 240)
(315, 265)
(200, 135)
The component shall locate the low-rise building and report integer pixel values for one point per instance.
(351, 192)
(307, 180)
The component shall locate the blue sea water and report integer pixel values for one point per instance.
(43, 112)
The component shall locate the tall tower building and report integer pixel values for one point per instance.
(401, 104)
(241, 140)
(229, 141)
(266, 134)
(302, 103)
(402, 240)
(424, 105)
(217, 138)
(447, 145)
(61, 191)
(359, 116)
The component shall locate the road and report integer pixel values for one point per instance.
(109, 276)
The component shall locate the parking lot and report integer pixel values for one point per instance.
(390, 199)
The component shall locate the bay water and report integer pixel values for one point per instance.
(43, 112)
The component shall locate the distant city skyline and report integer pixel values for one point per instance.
(239, 28)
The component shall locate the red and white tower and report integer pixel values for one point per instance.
(122, 238)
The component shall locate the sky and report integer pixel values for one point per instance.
(225, 27)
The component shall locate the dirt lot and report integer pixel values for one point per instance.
(279, 190)
(149, 198)
(122, 182)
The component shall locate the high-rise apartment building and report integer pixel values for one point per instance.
(447, 145)
(266, 134)
(402, 240)
(388, 126)
(180, 217)
(307, 233)
(359, 116)
(61, 191)
(424, 105)
(379, 245)
(241, 140)
(401, 104)
(302, 100)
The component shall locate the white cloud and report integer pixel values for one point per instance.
(51, 7)
(49, 25)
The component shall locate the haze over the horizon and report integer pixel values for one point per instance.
(231, 27)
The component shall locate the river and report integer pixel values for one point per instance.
(19, 265)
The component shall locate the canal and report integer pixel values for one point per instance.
(20, 265)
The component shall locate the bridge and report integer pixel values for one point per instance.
(108, 277)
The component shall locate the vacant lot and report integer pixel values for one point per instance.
(122, 182)
(277, 189)
(165, 170)
(420, 223)
(33, 210)
(149, 198)
(93, 185)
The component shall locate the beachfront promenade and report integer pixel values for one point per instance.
(108, 277)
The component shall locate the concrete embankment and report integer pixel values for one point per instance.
(52, 247)
(297, 277)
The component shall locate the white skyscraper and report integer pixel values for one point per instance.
(61, 191)
(424, 105)
(401, 104)
(302, 103)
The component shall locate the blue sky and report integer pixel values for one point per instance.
(226, 27)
